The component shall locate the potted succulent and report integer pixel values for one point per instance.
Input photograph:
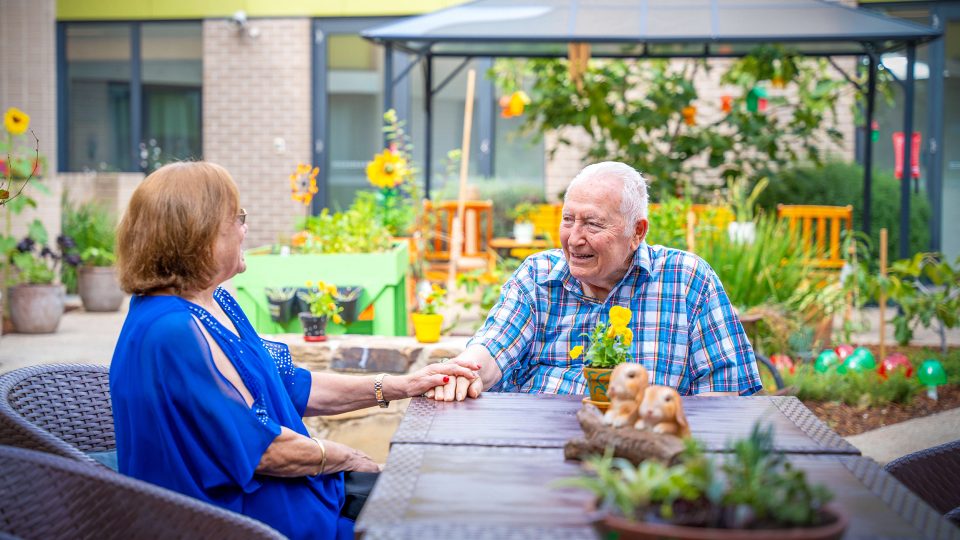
(97, 282)
(609, 346)
(427, 323)
(522, 215)
(36, 302)
(323, 307)
(753, 493)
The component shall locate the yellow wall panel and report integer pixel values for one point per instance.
(78, 10)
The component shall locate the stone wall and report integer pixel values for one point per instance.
(256, 115)
(370, 429)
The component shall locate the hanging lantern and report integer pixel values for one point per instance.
(931, 375)
(783, 363)
(689, 115)
(513, 105)
(894, 362)
(826, 360)
(754, 97)
(726, 103)
(843, 351)
(777, 81)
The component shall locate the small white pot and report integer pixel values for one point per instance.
(523, 232)
(742, 232)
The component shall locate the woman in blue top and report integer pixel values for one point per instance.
(204, 406)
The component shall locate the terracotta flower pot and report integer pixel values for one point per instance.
(314, 328)
(427, 327)
(36, 309)
(98, 288)
(598, 380)
(625, 529)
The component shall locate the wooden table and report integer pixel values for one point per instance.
(486, 469)
(549, 421)
(504, 245)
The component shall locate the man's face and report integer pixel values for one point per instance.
(592, 233)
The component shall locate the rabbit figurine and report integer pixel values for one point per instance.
(627, 384)
(661, 411)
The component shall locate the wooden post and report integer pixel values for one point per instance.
(883, 296)
(456, 240)
(691, 231)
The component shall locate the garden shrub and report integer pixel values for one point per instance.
(859, 389)
(838, 183)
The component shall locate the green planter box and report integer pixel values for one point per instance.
(383, 277)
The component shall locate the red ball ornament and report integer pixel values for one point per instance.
(843, 351)
(783, 363)
(895, 361)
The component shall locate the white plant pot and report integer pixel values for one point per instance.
(742, 232)
(523, 232)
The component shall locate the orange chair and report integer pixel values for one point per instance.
(477, 229)
(827, 250)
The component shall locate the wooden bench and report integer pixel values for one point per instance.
(820, 228)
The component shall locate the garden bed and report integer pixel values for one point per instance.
(850, 420)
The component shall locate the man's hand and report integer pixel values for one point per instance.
(440, 375)
(462, 387)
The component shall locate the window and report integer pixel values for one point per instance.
(102, 76)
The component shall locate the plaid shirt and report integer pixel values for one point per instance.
(685, 332)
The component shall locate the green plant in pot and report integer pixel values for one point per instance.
(323, 307)
(523, 228)
(97, 282)
(609, 346)
(753, 492)
(36, 301)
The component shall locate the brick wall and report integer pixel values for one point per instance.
(28, 82)
(256, 115)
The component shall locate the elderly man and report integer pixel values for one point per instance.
(687, 334)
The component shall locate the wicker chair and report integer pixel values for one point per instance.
(62, 409)
(47, 496)
(933, 474)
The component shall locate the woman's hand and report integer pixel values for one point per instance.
(439, 375)
(341, 457)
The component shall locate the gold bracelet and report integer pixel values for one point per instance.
(378, 391)
(323, 459)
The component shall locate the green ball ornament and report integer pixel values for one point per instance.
(860, 362)
(826, 360)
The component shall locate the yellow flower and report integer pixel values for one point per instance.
(337, 319)
(16, 121)
(576, 352)
(619, 316)
(309, 284)
(626, 335)
(387, 169)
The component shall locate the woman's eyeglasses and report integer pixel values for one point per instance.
(242, 216)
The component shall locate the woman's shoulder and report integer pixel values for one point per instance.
(165, 317)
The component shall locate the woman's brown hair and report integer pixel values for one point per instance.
(167, 235)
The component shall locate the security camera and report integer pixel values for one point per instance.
(239, 20)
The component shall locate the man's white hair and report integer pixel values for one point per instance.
(633, 203)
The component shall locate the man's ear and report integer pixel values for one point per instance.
(640, 233)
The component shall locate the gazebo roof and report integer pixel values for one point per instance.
(647, 28)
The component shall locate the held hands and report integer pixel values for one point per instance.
(458, 388)
(452, 374)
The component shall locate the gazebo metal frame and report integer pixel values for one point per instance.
(658, 29)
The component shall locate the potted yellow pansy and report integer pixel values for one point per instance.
(609, 346)
(320, 299)
(427, 323)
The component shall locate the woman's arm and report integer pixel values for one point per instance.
(332, 393)
(292, 455)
